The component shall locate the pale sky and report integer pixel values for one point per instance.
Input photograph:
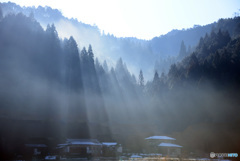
(143, 19)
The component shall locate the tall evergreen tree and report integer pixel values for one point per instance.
(99, 69)
(183, 51)
(141, 78)
(105, 66)
(52, 53)
(173, 71)
(119, 64)
(73, 65)
(156, 77)
(84, 59)
(90, 54)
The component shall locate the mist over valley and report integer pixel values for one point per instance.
(61, 78)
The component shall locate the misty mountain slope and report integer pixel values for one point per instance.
(201, 92)
(231, 25)
(216, 59)
(30, 62)
(138, 54)
(59, 80)
(56, 88)
(169, 44)
(106, 47)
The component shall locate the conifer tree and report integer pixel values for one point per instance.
(141, 78)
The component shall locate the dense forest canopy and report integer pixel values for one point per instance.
(58, 88)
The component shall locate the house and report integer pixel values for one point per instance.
(169, 149)
(111, 149)
(81, 148)
(164, 145)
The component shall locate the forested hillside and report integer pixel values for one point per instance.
(146, 53)
(201, 92)
(58, 88)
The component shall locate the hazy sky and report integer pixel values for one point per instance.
(143, 19)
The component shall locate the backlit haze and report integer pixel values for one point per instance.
(141, 19)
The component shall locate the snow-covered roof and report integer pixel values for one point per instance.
(169, 145)
(160, 138)
(91, 140)
(109, 143)
(83, 142)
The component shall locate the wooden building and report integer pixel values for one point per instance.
(81, 148)
(164, 145)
